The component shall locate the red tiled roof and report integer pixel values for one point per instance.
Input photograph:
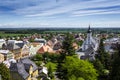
(45, 48)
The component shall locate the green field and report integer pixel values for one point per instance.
(13, 35)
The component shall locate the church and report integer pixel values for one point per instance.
(89, 47)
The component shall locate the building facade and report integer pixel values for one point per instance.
(89, 46)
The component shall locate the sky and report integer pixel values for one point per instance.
(59, 13)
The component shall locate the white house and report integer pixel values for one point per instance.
(42, 41)
(2, 41)
(34, 47)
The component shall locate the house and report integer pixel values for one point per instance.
(2, 41)
(42, 41)
(89, 47)
(15, 49)
(60, 37)
(57, 47)
(24, 69)
(45, 48)
(104, 35)
(75, 45)
(50, 43)
(18, 48)
(35, 46)
(25, 50)
(79, 39)
(43, 72)
(7, 54)
(1, 57)
(54, 40)
(8, 62)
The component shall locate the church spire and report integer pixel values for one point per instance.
(89, 30)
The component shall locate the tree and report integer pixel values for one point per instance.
(79, 42)
(38, 57)
(107, 61)
(98, 66)
(53, 57)
(68, 45)
(100, 69)
(104, 56)
(51, 68)
(74, 78)
(0, 37)
(102, 62)
(4, 72)
(50, 72)
(101, 51)
(46, 57)
(79, 69)
(115, 71)
(61, 57)
(31, 39)
(60, 61)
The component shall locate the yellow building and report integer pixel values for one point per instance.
(7, 54)
(25, 50)
(1, 57)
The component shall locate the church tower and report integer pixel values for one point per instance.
(88, 42)
(89, 46)
(89, 36)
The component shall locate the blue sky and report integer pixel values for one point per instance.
(59, 13)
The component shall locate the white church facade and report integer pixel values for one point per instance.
(89, 47)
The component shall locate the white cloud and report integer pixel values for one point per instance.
(67, 8)
(94, 12)
(51, 12)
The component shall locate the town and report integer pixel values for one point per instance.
(48, 56)
(59, 39)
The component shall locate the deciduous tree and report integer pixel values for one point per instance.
(4, 72)
(80, 69)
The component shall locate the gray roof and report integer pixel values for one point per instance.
(22, 71)
(12, 46)
(13, 67)
(89, 54)
(22, 67)
(40, 40)
(28, 61)
(19, 67)
(89, 51)
(27, 66)
(57, 46)
(20, 44)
